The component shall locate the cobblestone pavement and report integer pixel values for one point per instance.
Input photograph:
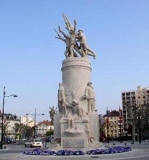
(139, 152)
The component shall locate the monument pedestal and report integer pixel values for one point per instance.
(76, 137)
(78, 125)
(57, 127)
(85, 134)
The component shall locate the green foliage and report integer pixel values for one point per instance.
(5, 127)
(22, 131)
(50, 132)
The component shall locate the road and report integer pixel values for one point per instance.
(139, 152)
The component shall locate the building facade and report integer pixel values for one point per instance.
(113, 124)
(9, 124)
(27, 120)
(43, 127)
(136, 97)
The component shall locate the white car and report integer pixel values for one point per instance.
(34, 143)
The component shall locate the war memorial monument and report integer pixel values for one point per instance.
(76, 125)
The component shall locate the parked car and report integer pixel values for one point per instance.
(23, 139)
(13, 140)
(7, 140)
(34, 143)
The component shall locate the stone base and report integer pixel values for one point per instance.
(84, 133)
(94, 125)
(76, 137)
(73, 142)
(57, 133)
(79, 129)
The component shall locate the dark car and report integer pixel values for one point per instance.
(7, 140)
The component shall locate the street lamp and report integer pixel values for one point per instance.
(2, 126)
(35, 115)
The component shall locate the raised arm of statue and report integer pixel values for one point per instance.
(69, 26)
(75, 25)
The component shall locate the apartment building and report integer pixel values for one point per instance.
(9, 124)
(136, 97)
(43, 127)
(27, 120)
(113, 124)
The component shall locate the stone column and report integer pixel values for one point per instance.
(76, 72)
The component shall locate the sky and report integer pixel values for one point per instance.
(31, 57)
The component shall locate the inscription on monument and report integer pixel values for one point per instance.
(73, 143)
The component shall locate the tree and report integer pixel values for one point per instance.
(132, 110)
(16, 129)
(52, 112)
(139, 119)
(142, 121)
(28, 131)
(23, 131)
(6, 126)
(50, 132)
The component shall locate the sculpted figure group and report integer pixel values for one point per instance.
(75, 109)
(76, 44)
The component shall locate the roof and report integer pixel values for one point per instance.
(46, 123)
(113, 113)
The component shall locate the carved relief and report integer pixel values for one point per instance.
(73, 143)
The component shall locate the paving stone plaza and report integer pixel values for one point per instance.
(139, 152)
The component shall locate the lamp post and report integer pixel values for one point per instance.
(3, 110)
(35, 115)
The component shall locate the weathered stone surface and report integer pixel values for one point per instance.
(77, 128)
(76, 73)
(73, 143)
(57, 118)
(94, 125)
